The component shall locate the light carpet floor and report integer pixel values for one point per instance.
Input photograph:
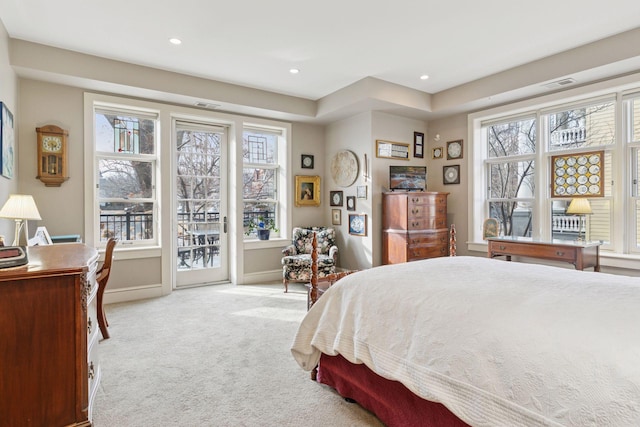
(213, 356)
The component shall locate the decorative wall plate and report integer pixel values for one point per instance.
(344, 168)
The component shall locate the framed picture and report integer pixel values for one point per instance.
(40, 238)
(454, 150)
(335, 198)
(392, 150)
(361, 191)
(306, 161)
(351, 203)
(336, 216)
(576, 175)
(7, 141)
(307, 191)
(418, 145)
(451, 174)
(437, 152)
(358, 224)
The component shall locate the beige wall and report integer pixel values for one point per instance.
(62, 208)
(359, 134)
(9, 96)
(450, 129)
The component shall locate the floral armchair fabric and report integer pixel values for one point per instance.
(296, 258)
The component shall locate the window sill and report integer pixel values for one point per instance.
(276, 242)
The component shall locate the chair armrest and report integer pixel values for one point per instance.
(289, 250)
(333, 253)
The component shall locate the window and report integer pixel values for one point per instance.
(632, 139)
(262, 153)
(517, 181)
(510, 165)
(580, 130)
(125, 156)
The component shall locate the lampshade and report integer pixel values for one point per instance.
(20, 206)
(579, 206)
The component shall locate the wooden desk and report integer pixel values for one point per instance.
(49, 338)
(581, 254)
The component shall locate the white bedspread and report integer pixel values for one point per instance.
(498, 343)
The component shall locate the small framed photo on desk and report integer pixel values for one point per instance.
(41, 237)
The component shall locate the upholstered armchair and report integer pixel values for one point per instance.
(296, 258)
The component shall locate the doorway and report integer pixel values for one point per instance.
(201, 204)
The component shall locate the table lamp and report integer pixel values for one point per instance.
(580, 207)
(21, 208)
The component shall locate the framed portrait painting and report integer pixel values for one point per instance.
(307, 190)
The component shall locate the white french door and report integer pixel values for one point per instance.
(201, 203)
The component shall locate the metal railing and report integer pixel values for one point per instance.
(139, 225)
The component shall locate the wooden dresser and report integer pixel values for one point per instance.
(414, 226)
(49, 338)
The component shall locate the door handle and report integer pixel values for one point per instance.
(224, 225)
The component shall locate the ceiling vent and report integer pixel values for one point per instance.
(560, 83)
(207, 105)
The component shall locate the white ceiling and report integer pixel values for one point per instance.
(333, 43)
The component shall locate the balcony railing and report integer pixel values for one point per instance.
(139, 225)
(571, 136)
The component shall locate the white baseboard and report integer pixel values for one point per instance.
(131, 294)
(262, 277)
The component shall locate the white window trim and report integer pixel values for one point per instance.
(620, 88)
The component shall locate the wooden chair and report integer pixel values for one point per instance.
(102, 277)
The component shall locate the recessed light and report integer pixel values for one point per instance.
(294, 71)
(175, 41)
(424, 77)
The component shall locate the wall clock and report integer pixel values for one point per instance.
(52, 155)
(454, 150)
(451, 174)
(344, 168)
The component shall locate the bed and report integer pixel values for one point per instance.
(480, 342)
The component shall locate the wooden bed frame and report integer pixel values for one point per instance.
(390, 401)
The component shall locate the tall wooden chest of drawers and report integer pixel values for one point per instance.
(49, 338)
(414, 226)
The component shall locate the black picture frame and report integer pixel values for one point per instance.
(306, 161)
(351, 203)
(335, 198)
(418, 145)
(451, 174)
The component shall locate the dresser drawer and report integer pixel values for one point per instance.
(427, 199)
(541, 251)
(421, 252)
(428, 239)
(439, 221)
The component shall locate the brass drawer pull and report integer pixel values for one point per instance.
(502, 248)
(560, 253)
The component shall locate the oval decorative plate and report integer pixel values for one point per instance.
(344, 168)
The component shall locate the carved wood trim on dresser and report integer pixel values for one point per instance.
(49, 338)
(414, 226)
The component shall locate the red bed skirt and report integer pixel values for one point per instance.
(389, 400)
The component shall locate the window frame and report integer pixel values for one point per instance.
(98, 107)
(624, 231)
(280, 168)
